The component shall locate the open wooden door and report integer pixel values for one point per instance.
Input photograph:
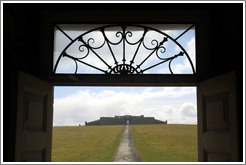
(217, 119)
(34, 119)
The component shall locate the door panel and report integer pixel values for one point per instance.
(34, 119)
(217, 118)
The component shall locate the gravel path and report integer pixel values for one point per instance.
(126, 151)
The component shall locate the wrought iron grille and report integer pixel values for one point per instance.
(123, 49)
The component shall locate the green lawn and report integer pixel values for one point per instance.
(85, 143)
(165, 143)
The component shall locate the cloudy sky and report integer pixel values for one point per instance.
(75, 105)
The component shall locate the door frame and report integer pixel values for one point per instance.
(51, 17)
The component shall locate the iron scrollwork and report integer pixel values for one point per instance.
(88, 47)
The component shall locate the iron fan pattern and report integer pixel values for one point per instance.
(124, 35)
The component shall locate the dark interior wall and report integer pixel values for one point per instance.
(21, 37)
(21, 45)
(226, 38)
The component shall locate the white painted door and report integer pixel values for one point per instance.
(34, 119)
(217, 119)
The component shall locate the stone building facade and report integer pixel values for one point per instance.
(127, 119)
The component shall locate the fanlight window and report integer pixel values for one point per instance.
(124, 49)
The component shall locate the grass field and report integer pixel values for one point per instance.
(85, 143)
(165, 143)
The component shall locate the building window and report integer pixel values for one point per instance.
(124, 49)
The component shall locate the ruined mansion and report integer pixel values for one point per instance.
(127, 119)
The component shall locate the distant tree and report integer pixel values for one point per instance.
(79, 125)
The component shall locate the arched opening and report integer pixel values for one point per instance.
(126, 50)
